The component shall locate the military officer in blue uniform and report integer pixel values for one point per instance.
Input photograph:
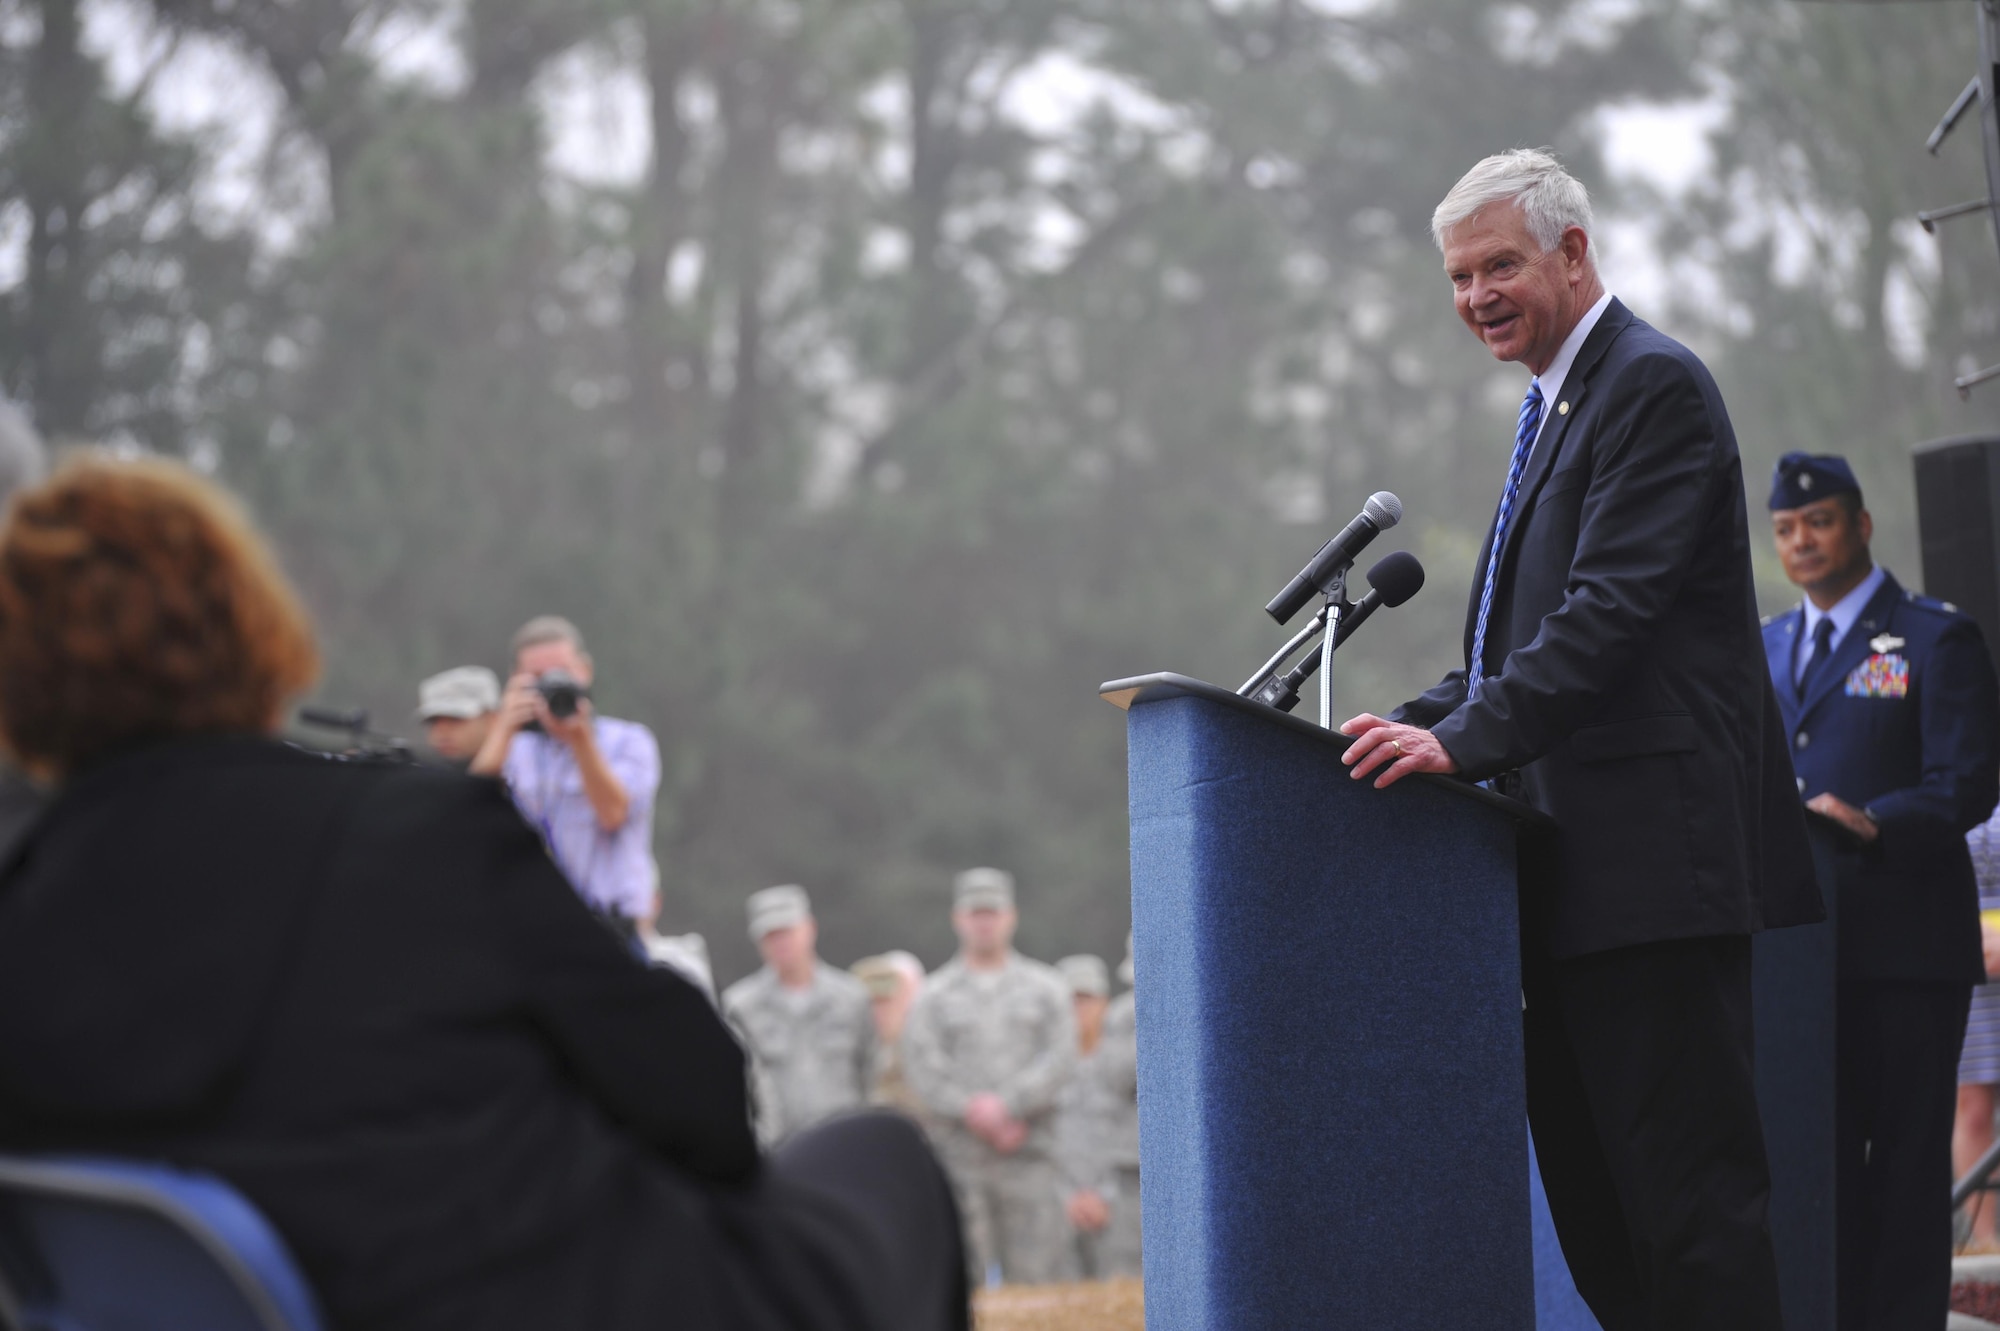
(1893, 714)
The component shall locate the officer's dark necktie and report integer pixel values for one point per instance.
(1822, 647)
(1524, 443)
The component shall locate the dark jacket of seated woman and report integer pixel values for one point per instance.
(364, 995)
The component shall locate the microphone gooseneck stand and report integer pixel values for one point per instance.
(1254, 686)
(1393, 580)
(1337, 618)
(1337, 607)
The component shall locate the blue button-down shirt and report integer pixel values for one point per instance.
(1843, 613)
(613, 871)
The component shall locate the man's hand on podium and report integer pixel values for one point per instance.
(1397, 750)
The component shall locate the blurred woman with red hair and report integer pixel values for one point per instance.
(363, 994)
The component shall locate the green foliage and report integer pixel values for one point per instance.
(944, 358)
(127, 319)
(1834, 323)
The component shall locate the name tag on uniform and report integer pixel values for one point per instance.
(1883, 675)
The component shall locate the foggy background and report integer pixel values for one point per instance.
(870, 379)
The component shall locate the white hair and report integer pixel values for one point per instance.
(1551, 199)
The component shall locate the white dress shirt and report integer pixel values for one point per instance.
(1552, 378)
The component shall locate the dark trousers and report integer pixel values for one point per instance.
(1644, 1111)
(881, 1215)
(1897, 1078)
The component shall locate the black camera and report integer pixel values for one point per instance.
(561, 692)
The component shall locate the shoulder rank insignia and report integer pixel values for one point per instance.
(1888, 642)
(1883, 675)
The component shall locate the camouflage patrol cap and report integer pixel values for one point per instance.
(460, 693)
(1086, 974)
(880, 975)
(888, 974)
(983, 889)
(778, 908)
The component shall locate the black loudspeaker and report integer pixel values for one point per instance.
(1958, 498)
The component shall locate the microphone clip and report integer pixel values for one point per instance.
(1392, 581)
(1281, 691)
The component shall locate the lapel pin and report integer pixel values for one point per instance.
(1562, 408)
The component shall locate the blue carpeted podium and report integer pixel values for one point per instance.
(1333, 1121)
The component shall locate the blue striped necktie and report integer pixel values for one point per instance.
(1524, 443)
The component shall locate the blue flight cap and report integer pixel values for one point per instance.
(1801, 478)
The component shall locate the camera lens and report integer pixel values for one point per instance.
(561, 692)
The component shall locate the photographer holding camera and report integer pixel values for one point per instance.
(585, 782)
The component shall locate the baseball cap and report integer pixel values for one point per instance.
(463, 692)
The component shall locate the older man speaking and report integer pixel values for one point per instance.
(1614, 678)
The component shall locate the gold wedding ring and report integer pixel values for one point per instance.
(1397, 745)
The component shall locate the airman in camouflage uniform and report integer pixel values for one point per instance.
(1118, 1065)
(988, 1046)
(807, 1025)
(894, 979)
(1098, 1123)
(1084, 1111)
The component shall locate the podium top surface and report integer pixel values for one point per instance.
(1125, 693)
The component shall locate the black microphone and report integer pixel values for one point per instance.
(1382, 511)
(1394, 580)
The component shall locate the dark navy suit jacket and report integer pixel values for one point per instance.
(1905, 723)
(1624, 680)
(365, 996)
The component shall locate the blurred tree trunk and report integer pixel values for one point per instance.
(935, 148)
(1840, 324)
(62, 354)
(659, 361)
(125, 320)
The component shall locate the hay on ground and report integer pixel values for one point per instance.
(1097, 1305)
